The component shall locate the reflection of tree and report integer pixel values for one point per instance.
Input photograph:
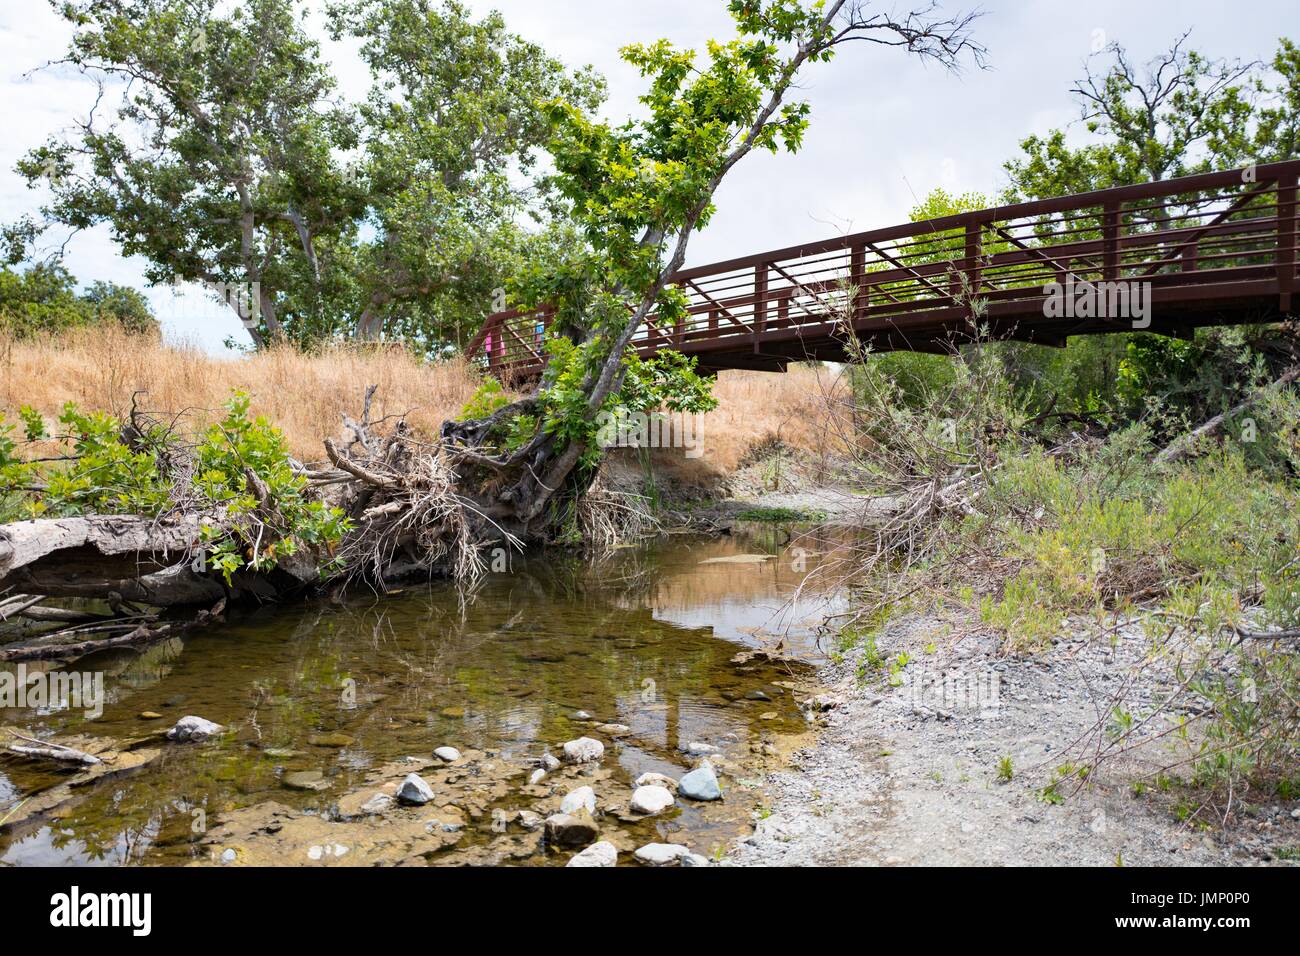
(519, 655)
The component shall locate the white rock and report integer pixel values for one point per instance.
(582, 797)
(661, 854)
(598, 854)
(581, 715)
(657, 780)
(193, 728)
(528, 819)
(379, 803)
(537, 776)
(583, 750)
(695, 859)
(651, 800)
(448, 754)
(415, 789)
(549, 762)
(697, 748)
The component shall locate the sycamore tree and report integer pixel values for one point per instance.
(220, 150)
(637, 193)
(1182, 112)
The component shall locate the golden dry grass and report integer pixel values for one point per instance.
(305, 394)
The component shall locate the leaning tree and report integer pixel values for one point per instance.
(251, 522)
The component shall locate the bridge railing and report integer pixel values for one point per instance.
(1209, 236)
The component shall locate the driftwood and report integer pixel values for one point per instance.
(43, 749)
(127, 557)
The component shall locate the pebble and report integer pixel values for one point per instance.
(448, 754)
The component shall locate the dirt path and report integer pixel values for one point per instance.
(906, 776)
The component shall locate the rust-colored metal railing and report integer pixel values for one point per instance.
(1210, 249)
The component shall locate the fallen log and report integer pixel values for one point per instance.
(1183, 446)
(133, 558)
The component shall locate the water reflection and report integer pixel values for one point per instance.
(644, 638)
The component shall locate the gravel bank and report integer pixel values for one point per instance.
(909, 776)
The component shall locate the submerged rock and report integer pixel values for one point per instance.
(305, 780)
(697, 748)
(700, 784)
(603, 853)
(331, 740)
(650, 800)
(571, 829)
(583, 750)
(448, 754)
(662, 854)
(193, 729)
(415, 790)
(615, 730)
(582, 797)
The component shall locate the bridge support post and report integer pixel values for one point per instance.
(1286, 238)
(760, 303)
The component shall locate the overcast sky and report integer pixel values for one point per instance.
(886, 128)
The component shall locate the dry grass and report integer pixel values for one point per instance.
(304, 395)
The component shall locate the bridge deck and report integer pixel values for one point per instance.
(1211, 249)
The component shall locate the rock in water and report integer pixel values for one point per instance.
(447, 754)
(571, 829)
(583, 750)
(305, 780)
(415, 790)
(193, 728)
(698, 748)
(651, 800)
(528, 820)
(598, 854)
(657, 780)
(549, 762)
(536, 777)
(662, 854)
(582, 797)
(700, 784)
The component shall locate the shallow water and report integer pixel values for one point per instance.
(645, 638)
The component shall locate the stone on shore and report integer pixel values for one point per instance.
(447, 754)
(657, 780)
